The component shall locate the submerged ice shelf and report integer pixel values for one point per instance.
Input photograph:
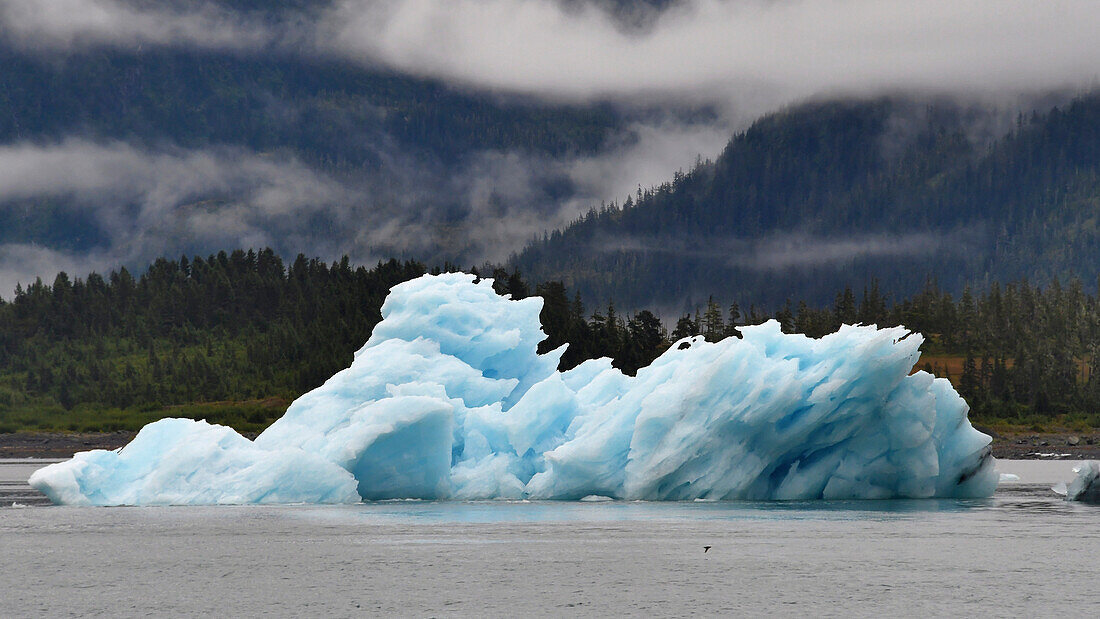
(449, 399)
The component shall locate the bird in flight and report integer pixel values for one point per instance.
(705, 549)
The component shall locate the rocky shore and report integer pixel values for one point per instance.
(1058, 446)
(59, 444)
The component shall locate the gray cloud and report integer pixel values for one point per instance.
(154, 203)
(748, 55)
(509, 207)
(659, 150)
(744, 57)
(752, 53)
(787, 250)
(63, 24)
(151, 203)
(21, 263)
(222, 195)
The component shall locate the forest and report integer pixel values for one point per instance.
(805, 201)
(831, 194)
(336, 117)
(235, 336)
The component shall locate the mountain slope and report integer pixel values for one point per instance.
(835, 194)
(382, 149)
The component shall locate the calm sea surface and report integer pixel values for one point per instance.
(1024, 552)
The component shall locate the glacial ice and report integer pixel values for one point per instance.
(181, 461)
(449, 399)
(1085, 486)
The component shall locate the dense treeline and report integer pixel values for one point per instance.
(1012, 351)
(232, 326)
(1017, 351)
(825, 195)
(112, 352)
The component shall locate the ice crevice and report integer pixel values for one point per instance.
(449, 399)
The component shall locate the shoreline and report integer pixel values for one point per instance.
(1028, 446)
(1063, 445)
(59, 444)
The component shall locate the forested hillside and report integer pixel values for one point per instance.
(121, 151)
(234, 337)
(351, 124)
(834, 194)
(315, 153)
(328, 112)
(113, 152)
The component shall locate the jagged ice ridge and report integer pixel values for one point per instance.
(449, 399)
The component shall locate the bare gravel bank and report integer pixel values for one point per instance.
(1034, 446)
(59, 444)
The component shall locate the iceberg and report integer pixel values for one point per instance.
(181, 461)
(449, 399)
(1085, 486)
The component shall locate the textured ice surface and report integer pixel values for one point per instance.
(180, 461)
(1086, 485)
(449, 399)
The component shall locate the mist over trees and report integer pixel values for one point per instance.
(826, 195)
(806, 200)
(392, 149)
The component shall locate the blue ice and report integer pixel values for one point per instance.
(449, 399)
(1085, 485)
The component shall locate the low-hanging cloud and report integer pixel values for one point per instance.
(497, 201)
(220, 194)
(741, 57)
(154, 203)
(65, 24)
(755, 52)
(146, 203)
(22, 263)
(782, 251)
(785, 251)
(746, 54)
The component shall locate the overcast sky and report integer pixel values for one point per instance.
(746, 52)
(71, 24)
(764, 52)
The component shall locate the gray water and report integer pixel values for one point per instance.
(1023, 552)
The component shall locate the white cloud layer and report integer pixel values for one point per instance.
(224, 195)
(752, 54)
(151, 203)
(63, 24)
(155, 203)
(781, 251)
(21, 263)
(751, 51)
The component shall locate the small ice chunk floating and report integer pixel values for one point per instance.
(1085, 486)
(449, 399)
